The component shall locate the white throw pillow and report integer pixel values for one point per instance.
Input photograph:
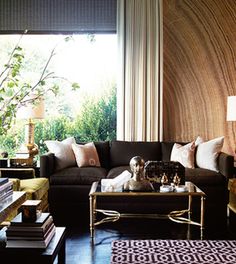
(207, 153)
(63, 152)
(86, 155)
(199, 140)
(183, 154)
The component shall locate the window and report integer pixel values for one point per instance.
(88, 113)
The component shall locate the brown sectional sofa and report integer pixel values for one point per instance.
(69, 188)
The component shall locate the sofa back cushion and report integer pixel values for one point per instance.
(121, 152)
(166, 148)
(103, 150)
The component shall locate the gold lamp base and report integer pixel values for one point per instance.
(32, 148)
(27, 152)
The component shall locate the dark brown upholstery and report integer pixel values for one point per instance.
(75, 175)
(69, 188)
(121, 152)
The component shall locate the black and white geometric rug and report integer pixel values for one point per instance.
(174, 251)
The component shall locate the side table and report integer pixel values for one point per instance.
(20, 172)
(38, 256)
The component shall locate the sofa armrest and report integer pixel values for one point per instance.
(226, 164)
(47, 163)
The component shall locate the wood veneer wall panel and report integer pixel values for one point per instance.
(199, 69)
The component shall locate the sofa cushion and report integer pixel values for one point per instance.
(121, 152)
(64, 155)
(114, 172)
(208, 152)
(184, 154)
(103, 150)
(204, 177)
(86, 155)
(166, 148)
(75, 175)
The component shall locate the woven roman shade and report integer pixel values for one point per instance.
(58, 16)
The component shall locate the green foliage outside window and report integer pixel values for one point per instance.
(82, 113)
(95, 122)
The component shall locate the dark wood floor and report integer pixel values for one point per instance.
(81, 250)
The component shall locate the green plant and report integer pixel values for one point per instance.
(97, 120)
(15, 90)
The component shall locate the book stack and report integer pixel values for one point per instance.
(6, 188)
(36, 234)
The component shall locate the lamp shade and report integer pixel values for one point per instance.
(31, 110)
(231, 108)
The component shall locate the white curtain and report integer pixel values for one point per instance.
(139, 91)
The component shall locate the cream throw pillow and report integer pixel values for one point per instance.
(86, 155)
(207, 153)
(183, 154)
(199, 140)
(63, 152)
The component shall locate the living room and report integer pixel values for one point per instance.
(176, 73)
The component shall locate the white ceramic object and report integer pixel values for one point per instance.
(166, 188)
(181, 188)
(116, 184)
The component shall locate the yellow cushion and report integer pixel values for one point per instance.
(44, 203)
(35, 188)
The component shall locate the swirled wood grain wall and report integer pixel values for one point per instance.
(199, 69)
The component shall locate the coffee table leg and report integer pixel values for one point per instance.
(189, 206)
(202, 214)
(92, 201)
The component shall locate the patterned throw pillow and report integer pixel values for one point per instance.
(63, 152)
(184, 154)
(208, 152)
(86, 155)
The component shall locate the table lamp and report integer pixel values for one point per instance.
(34, 110)
(231, 108)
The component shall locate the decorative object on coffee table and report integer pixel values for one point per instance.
(154, 171)
(164, 179)
(138, 181)
(165, 187)
(176, 180)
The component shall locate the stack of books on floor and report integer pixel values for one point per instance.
(6, 188)
(37, 234)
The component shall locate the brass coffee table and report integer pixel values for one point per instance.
(176, 216)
